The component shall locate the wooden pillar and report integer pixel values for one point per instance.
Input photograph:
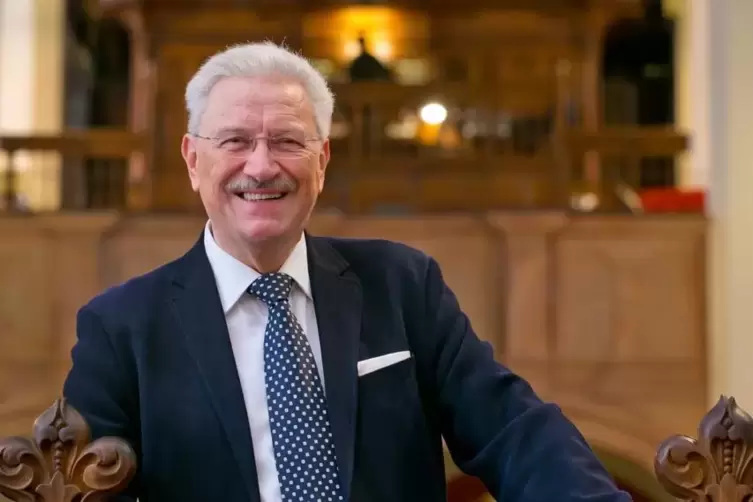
(32, 82)
(595, 26)
(722, 38)
(140, 110)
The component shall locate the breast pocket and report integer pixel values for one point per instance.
(394, 442)
(390, 387)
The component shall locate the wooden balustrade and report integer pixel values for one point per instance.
(95, 166)
(373, 171)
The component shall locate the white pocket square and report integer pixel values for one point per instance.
(377, 363)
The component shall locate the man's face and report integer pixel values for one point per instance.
(257, 161)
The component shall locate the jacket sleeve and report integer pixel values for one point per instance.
(496, 428)
(99, 387)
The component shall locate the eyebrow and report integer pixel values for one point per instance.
(274, 131)
(226, 131)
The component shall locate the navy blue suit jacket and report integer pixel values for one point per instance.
(153, 364)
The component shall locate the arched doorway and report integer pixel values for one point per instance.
(638, 73)
(98, 66)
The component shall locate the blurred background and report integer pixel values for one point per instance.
(579, 168)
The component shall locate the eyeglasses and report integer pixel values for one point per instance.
(281, 147)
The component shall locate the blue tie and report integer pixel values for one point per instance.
(301, 435)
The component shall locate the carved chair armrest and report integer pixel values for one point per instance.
(61, 464)
(718, 466)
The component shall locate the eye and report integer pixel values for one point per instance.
(288, 143)
(234, 142)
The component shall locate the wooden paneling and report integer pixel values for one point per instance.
(604, 315)
(176, 64)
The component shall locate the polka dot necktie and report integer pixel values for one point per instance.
(301, 435)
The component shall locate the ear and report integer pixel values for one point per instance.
(323, 162)
(188, 150)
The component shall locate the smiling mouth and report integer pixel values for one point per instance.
(255, 197)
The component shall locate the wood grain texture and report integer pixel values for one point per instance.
(60, 464)
(715, 467)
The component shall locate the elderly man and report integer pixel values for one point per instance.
(270, 365)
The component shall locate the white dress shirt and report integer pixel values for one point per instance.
(246, 318)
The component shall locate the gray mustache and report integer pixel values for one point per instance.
(277, 184)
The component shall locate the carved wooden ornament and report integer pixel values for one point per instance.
(60, 464)
(718, 466)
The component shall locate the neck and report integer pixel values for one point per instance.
(265, 257)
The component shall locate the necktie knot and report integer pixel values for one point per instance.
(272, 288)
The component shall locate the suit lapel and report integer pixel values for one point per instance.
(198, 310)
(337, 300)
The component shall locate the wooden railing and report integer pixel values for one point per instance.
(518, 145)
(373, 172)
(91, 168)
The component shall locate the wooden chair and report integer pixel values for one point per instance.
(61, 464)
(718, 466)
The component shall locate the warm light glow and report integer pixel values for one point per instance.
(383, 50)
(585, 202)
(433, 113)
(351, 49)
(377, 44)
(391, 33)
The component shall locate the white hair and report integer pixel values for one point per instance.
(258, 60)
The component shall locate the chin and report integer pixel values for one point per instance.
(261, 231)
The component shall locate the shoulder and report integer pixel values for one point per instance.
(136, 297)
(387, 265)
(379, 254)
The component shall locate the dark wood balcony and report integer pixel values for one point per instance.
(106, 169)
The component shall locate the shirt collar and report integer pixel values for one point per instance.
(234, 277)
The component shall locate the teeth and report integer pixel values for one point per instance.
(261, 196)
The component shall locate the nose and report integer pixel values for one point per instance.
(259, 164)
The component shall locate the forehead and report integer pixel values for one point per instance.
(258, 102)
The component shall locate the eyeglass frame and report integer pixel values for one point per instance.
(255, 143)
